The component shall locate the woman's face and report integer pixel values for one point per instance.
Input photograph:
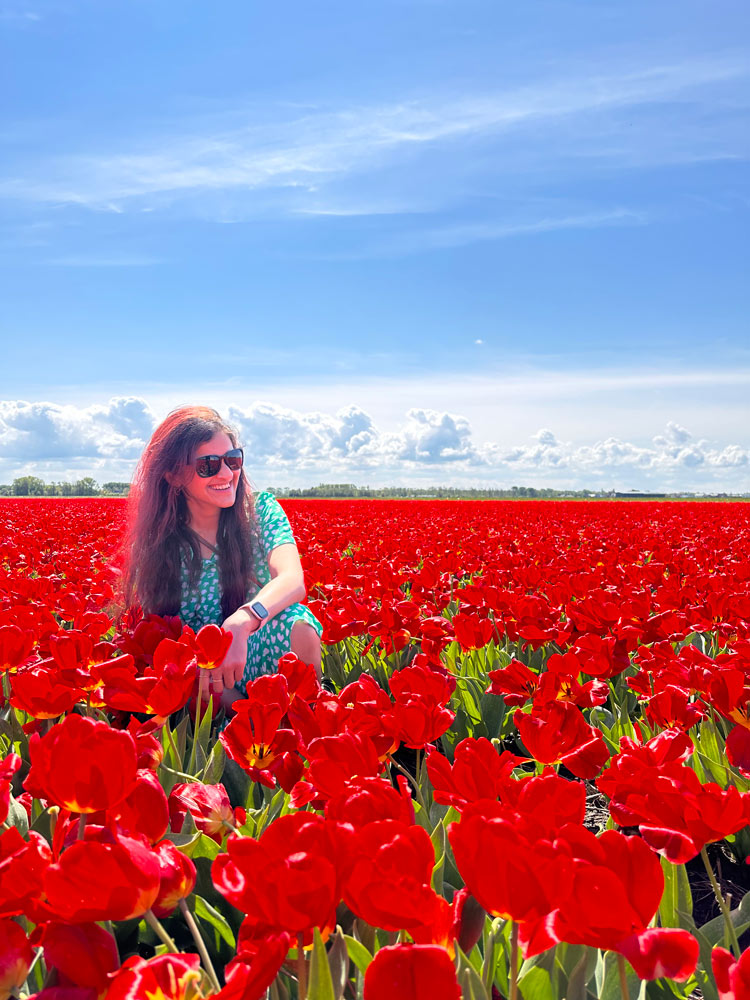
(217, 491)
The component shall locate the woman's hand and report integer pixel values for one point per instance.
(242, 625)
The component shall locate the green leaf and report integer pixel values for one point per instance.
(706, 983)
(438, 842)
(537, 985)
(677, 896)
(184, 842)
(580, 975)
(320, 985)
(18, 817)
(338, 962)
(180, 738)
(611, 989)
(214, 768)
(472, 987)
(713, 931)
(358, 953)
(206, 912)
(202, 847)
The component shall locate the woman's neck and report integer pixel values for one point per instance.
(204, 523)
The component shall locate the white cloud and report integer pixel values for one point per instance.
(47, 432)
(285, 446)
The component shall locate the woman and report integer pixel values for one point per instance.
(200, 545)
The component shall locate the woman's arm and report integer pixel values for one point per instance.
(287, 586)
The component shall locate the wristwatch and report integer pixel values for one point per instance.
(258, 610)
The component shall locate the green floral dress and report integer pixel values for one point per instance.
(202, 605)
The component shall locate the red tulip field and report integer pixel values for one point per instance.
(526, 774)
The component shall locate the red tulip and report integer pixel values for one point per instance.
(516, 683)
(15, 958)
(662, 952)
(528, 876)
(168, 977)
(557, 732)
(209, 806)
(267, 753)
(478, 772)
(286, 880)
(145, 809)
(16, 645)
(83, 954)
(8, 768)
(210, 645)
(176, 878)
(249, 975)
(732, 974)
(388, 884)
(39, 691)
(411, 972)
(82, 765)
(161, 688)
(367, 800)
(22, 867)
(334, 761)
(95, 880)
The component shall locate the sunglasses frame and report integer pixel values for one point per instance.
(233, 454)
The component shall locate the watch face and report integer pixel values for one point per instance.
(258, 609)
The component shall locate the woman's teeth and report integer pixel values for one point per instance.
(222, 489)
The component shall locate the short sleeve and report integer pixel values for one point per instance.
(273, 524)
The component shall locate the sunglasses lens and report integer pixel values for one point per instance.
(233, 459)
(207, 466)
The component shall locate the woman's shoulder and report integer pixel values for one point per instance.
(263, 497)
(266, 504)
(272, 521)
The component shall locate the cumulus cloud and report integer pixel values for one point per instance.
(46, 431)
(433, 438)
(292, 447)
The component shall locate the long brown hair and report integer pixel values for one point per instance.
(158, 535)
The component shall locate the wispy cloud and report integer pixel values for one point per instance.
(19, 16)
(306, 151)
(447, 237)
(95, 261)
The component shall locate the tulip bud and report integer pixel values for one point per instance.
(176, 878)
(468, 920)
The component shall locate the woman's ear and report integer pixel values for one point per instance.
(175, 481)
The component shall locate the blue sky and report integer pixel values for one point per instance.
(401, 241)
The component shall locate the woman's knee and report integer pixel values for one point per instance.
(305, 643)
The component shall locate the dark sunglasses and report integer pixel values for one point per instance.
(208, 465)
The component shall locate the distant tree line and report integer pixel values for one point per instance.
(32, 486)
(327, 490)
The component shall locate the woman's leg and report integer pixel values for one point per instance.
(305, 643)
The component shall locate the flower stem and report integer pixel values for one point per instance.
(158, 928)
(623, 977)
(82, 825)
(412, 781)
(731, 931)
(301, 969)
(513, 960)
(200, 945)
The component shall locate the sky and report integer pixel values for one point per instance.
(455, 242)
